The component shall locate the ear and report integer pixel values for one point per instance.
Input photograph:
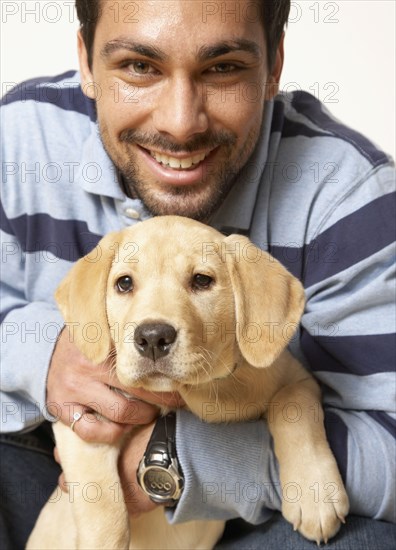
(272, 88)
(269, 301)
(85, 70)
(81, 297)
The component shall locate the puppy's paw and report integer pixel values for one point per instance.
(316, 506)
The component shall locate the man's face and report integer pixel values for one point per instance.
(180, 88)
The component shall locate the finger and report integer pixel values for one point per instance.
(68, 412)
(134, 412)
(113, 404)
(74, 415)
(62, 483)
(124, 408)
(107, 423)
(97, 429)
(163, 399)
(56, 455)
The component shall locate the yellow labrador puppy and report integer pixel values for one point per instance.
(230, 307)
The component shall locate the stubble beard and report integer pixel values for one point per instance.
(198, 202)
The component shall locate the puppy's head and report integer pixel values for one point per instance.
(179, 303)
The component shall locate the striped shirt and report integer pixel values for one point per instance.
(315, 194)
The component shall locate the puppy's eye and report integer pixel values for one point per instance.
(124, 284)
(201, 282)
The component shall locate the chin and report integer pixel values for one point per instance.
(187, 207)
(197, 202)
(159, 384)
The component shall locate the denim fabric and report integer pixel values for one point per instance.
(28, 475)
(277, 534)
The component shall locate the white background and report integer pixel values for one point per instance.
(342, 51)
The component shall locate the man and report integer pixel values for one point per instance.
(175, 110)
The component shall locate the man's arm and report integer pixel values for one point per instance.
(29, 331)
(231, 470)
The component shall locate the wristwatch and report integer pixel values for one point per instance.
(159, 473)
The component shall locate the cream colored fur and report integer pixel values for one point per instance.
(230, 354)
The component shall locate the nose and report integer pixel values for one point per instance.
(180, 111)
(154, 340)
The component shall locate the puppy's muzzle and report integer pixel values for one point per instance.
(154, 340)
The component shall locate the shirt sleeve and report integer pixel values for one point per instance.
(348, 337)
(231, 470)
(29, 331)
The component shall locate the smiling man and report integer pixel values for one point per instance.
(176, 131)
(176, 110)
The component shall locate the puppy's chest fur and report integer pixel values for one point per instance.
(247, 393)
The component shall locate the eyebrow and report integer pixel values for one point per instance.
(205, 53)
(132, 46)
(216, 50)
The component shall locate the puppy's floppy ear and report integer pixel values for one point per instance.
(269, 301)
(81, 297)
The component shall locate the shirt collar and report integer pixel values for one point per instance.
(97, 173)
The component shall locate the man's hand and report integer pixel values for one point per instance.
(76, 385)
(136, 500)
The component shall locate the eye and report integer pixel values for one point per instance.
(201, 281)
(140, 67)
(223, 68)
(124, 284)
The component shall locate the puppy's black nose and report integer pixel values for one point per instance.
(154, 340)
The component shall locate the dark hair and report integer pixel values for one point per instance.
(274, 14)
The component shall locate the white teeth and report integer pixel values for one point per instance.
(176, 163)
(185, 163)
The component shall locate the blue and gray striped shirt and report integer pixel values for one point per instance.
(315, 194)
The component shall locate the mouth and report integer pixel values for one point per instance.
(177, 163)
(178, 169)
(158, 382)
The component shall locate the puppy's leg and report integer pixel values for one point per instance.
(314, 497)
(99, 512)
(152, 531)
(54, 528)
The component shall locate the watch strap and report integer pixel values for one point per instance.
(163, 436)
(160, 456)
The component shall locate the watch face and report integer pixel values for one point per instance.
(159, 482)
